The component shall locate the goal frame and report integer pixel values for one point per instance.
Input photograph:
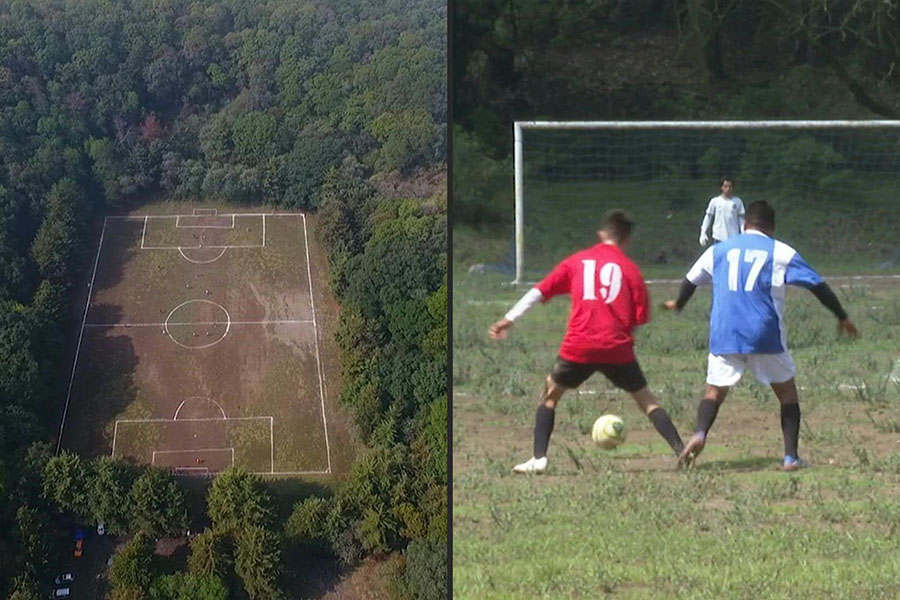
(519, 149)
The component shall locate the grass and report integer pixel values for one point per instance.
(561, 218)
(624, 523)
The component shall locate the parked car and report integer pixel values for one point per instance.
(101, 529)
(64, 578)
(62, 593)
(79, 548)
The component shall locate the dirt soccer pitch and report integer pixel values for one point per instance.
(199, 348)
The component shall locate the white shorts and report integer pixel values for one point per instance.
(725, 370)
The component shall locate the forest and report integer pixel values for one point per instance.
(334, 107)
(681, 60)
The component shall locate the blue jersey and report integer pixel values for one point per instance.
(749, 273)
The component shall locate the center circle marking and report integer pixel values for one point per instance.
(199, 346)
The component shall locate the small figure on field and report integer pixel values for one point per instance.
(725, 213)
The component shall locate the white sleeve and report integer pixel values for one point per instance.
(531, 297)
(701, 272)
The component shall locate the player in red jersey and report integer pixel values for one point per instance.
(609, 299)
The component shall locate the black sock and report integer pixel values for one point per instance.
(666, 428)
(543, 427)
(790, 426)
(706, 415)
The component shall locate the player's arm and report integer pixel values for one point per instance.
(799, 273)
(741, 216)
(707, 221)
(498, 330)
(829, 300)
(700, 274)
(557, 282)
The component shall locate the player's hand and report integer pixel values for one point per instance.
(499, 329)
(704, 239)
(847, 328)
(670, 305)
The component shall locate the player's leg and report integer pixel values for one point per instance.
(790, 422)
(778, 371)
(564, 376)
(630, 378)
(722, 372)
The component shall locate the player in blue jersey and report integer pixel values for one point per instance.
(749, 273)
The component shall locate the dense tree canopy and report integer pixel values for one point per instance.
(106, 104)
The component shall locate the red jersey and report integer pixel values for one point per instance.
(609, 298)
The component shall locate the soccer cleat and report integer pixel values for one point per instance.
(691, 450)
(532, 465)
(793, 463)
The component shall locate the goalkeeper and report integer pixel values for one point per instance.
(725, 213)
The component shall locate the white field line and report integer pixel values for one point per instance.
(246, 214)
(178, 224)
(197, 420)
(183, 402)
(200, 247)
(272, 471)
(204, 212)
(285, 322)
(192, 420)
(87, 305)
(155, 452)
(316, 334)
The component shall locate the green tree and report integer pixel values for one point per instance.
(307, 525)
(258, 562)
(33, 528)
(238, 499)
(133, 568)
(182, 586)
(408, 139)
(67, 480)
(158, 503)
(425, 576)
(110, 496)
(211, 554)
(25, 587)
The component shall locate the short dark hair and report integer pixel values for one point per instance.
(617, 224)
(727, 178)
(760, 214)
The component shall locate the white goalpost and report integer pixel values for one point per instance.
(572, 171)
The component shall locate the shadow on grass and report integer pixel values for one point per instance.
(755, 463)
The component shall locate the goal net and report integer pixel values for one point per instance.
(834, 186)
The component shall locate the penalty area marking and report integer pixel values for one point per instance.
(208, 399)
(271, 420)
(201, 262)
(213, 343)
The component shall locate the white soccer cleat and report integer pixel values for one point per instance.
(532, 465)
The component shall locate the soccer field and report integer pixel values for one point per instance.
(200, 346)
(624, 523)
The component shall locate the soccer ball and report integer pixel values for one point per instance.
(608, 431)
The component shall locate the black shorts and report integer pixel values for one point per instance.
(628, 376)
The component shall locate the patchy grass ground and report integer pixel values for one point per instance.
(199, 348)
(625, 523)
